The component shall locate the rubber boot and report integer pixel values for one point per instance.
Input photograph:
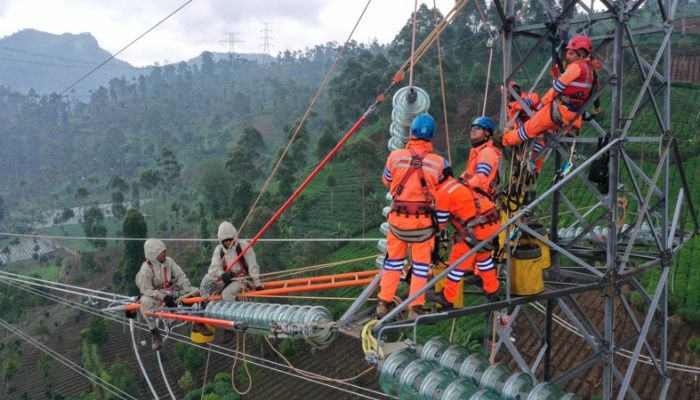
(439, 298)
(415, 312)
(382, 309)
(157, 341)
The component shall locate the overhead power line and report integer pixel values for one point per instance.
(26, 235)
(92, 71)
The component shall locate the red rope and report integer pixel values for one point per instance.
(313, 174)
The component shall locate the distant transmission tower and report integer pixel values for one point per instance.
(231, 40)
(266, 38)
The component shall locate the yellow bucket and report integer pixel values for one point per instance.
(201, 339)
(526, 269)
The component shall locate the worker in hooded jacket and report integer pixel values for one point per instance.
(411, 174)
(160, 281)
(245, 274)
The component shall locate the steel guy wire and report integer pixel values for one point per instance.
(27, 235)
(184, 339)
(15, 125)
(67, 362)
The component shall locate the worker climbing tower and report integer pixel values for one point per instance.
(613, 222)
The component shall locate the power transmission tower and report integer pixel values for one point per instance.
(266, 38)
(231, 40)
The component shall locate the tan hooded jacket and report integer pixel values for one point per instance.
(156, 279)
(228, 231)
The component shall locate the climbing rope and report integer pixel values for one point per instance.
(245, 367)
(305, 116)
(413, 43)
(442, 88)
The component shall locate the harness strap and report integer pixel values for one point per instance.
(244, 264)
(166, 276)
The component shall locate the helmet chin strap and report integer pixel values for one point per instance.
(478, 143)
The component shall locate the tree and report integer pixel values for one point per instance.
(242, 198)
(150, 178)
(117, 184)
(82, 193)
(42, 330)
(118, 209)
(168, 166)
(121, 376)
(96, 332)
(3, 210)
(134, 226)
(213, 183)
(241, 166)
(93, 225)
(326, 142)
(252, 141)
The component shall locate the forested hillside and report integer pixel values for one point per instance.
(174, 151)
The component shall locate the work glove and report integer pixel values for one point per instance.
(227, 277)
(169, 301)
(259, 286)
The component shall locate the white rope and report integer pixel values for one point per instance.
(25, 235)
(259, 361)
(68, 363)
(165, 377)
(138, 359)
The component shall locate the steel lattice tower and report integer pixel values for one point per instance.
(602, 255)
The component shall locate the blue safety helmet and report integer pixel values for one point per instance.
(486, 123)
(423, 127)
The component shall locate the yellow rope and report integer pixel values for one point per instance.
(245, 367)
(206, 368)
(290, 272)
(313, 375)
(370, 345)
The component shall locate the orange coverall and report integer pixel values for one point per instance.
(411, 213)
(482, 167)
(578, 77)
(463, 205)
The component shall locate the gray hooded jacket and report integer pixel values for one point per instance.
(228, 231)
(156, 279)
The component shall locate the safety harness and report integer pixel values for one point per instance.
(465, 228)
(166, 284)
(243, 271)
(415, 208)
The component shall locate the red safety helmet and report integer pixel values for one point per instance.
(580, 42)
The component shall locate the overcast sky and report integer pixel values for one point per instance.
(205, 24)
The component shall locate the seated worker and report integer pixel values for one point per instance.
(245, 274)
(475, 218)
(569, 92)
(160, 279)
(481, 173)
(517, 116)
(411, 174)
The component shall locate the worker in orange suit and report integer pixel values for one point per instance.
(481, 173)
(568, 93)
(475, 218)
(517, 116)
(411, 174)
(514, 109)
